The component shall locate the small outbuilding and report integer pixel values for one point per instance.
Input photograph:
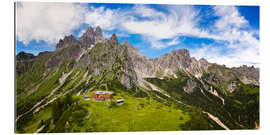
(120, 101)
(102, 95)
(86, 97)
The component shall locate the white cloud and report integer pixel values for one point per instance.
(175, 41)
(240, 46)
(156, 25)
(51, 21)
(232, 55)
(179, 20)
(144, 11)
(47, 21)
(229, 17)
(107, 19)
(158, 44)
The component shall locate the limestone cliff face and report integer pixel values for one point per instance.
(88, 38)
(109, 56)
(168, 64)
(248, 74)
(67, 42)
(98, 35)
(69, 48)
(97, 54)
(180, 60)
(66, 50)
(91, 37)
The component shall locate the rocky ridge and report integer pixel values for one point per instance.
(94, 52)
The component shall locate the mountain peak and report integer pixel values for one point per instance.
(23, 56)
(131, 49)
(91, 37)
(88, 38)
(98, 34)
(183, 52)
(68, 40)
(89, 30)
(114, 39)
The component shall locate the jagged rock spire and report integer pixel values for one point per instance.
(91, 37)
(68, 40)
(113, 39)
(88, 38)
(98, 34)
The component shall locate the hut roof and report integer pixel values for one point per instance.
(103, 92)
(119, 100)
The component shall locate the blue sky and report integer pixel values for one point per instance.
(222, 34)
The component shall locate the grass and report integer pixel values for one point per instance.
(37, 119)
(136, 114)
(243, 102)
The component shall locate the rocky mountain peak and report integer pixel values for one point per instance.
(91, 37)
(203, 60)
(23, 56)
(204, 63)
(98, 34)
(182, 52)
(113, 39)
(249, 71)
(88, 38)
(68, 40)
(89, 32)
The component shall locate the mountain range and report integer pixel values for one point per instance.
(207, 96)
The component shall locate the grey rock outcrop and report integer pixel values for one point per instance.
(100, 55)
(98, 35)
(108, 55)
(66, 50)
(66, 42)
(23, 56)
(91, 37)
(249, 74)
(166, 65)
(88, 38)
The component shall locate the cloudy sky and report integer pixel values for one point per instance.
(222, 34)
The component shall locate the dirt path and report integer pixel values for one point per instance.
(214, 92)
(40, 129)
(216, 119)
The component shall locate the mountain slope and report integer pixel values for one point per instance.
(192, 94)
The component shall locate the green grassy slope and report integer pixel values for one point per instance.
(241, 108)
